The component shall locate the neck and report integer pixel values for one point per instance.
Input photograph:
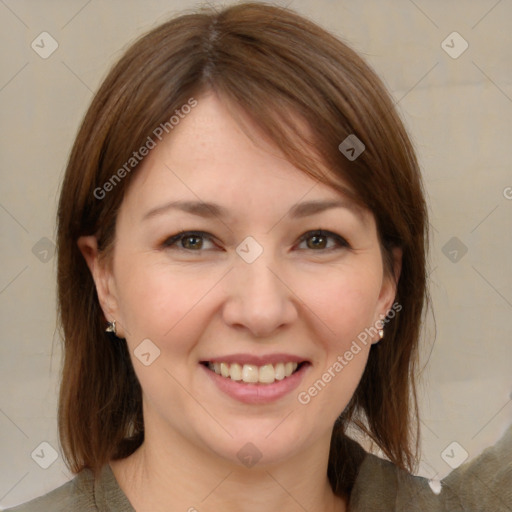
(188, 479)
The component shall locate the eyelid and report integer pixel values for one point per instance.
(173, 239)
(340, 241)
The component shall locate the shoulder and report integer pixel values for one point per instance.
(82, 494)
(380, 486)
(484, 483)
(75, 495)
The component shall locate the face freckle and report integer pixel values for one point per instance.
(221, 301)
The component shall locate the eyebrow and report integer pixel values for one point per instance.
(209, 210)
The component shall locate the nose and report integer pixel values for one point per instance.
(259, 298)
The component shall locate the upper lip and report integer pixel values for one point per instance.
(256, 360)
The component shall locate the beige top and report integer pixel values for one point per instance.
(484, 484)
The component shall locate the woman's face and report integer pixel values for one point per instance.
(254, 288)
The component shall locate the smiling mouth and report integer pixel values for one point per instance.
(253, 374)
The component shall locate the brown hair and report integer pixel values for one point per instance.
(276, 67)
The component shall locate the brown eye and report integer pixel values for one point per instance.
(192, 242)
(318, 240)
(188, 241)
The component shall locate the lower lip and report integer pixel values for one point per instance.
(257, 393)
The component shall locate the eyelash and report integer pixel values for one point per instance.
(340, 241)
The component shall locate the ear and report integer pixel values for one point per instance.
(389, 287)
(101, 272)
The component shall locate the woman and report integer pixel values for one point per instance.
(242, 277)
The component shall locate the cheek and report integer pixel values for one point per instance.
(345, 304)
(153, 299)
(344, 301)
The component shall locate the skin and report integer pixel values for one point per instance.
(194, 302)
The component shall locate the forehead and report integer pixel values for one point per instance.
(217, 136)
(209, 156)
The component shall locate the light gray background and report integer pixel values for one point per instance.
(458, 111)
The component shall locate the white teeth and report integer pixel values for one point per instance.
(224, 369)
(235, 371)
(253, 374)
(250, 373)
(267, 374)
(279, 371)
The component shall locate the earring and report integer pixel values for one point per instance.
(381, 333)
(111, 327)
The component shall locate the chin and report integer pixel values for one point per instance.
(252, 446)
